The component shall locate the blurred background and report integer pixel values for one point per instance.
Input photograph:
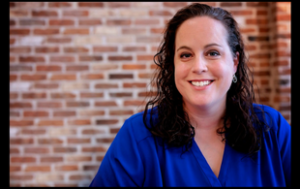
(79, 69)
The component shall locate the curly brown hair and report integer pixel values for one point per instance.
(173, 124)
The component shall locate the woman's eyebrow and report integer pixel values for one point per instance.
(206, 46)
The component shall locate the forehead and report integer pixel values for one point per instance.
(201, 29)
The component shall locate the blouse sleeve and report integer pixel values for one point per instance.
(122, 164)
(284, 140)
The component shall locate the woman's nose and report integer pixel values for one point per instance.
(199, 65)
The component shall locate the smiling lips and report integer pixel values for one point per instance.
(201, 83)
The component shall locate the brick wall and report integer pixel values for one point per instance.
(78, 70)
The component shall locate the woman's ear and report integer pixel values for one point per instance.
(236, 59)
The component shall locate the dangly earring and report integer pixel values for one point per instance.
(234, 80)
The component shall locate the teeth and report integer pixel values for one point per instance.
(200, 83)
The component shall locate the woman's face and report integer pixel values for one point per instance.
(204, 64)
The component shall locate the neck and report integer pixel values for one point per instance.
(205, 118)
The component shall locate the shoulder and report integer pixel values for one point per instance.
(135, 124)
(271, 117)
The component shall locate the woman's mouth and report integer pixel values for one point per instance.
(201, 83)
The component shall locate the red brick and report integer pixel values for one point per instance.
(92, 76)
(20, 49)
(32, 22)
(144, 57)
(146, 94)
(59, 40)
(80, 177)
(50, 123)
(16, 168)
(13, 77)
(247, 30)
(50, 141)
(133, 66)
(14, 114)
(74, 158)
(261, 73)
(94, 149)
(44, 13)
(250, 47)
(77, 104)
(145, 75)
(48, 68)
(47, 31)
(50, 104)
(106, 85)
(146, 22)
(29, 4)
(36, 95)
(13, 95)
(264, 64)
(90, 167)
(120, 76)
(12, 41)
(75, 13)
(18, 13)
(33, 131)
(64, 149)
(36, 150)
(120, 94)
(13, 105)
(22, 159)
(114, 130)
(14, 151)
(12, 59)
(105, 103)
(31, 59)
(104, 140)
(135, 31)
(230, 4)
(66, 59)
(261, 12)
(79, 122)
(64, 95)
(46, 85)
(46, 49)
(91, 132)
(59, 4)
(134, 48)
(283, 54)
(20, 177)
(79, 140)
(12, 4)
(90, 22)
(134, 103)
(67, 168)
(241, 12)
(285, 72)
(160, 13)
(117, 4)
(105, 49)
(12, 22)
(281, 99)
(19, 32)
(134, 85)
(21, 123)
(80, 31)
(90, 58)
(91, 113)
(51, 159)
(157, 30)
(91, 94)
(281, 63)
(175, 4)
(63, 77)
(257, 4)
(119, 58)
(38, 113)
(120, 112)
(258, 21)
(99, 158)
(76, 50)
(61, 22)
(106, 121)
(77, 68)
(90, 4)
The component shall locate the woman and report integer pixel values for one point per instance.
(202, 128)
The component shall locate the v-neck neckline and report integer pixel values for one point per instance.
(214, 180)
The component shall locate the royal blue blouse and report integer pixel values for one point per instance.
(135, 158)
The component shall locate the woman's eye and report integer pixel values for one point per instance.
(213, 53)
(185, 55)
